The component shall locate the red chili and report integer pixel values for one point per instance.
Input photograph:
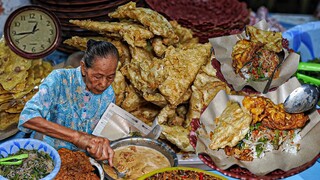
(200, 176)
(184, 177)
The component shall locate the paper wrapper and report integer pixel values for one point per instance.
(310, 142)
(223, 49)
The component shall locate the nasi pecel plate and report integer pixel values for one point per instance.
(273, 165)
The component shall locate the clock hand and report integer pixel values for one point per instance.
(23, 36)
(23, 33)
(35, 27)
(27, 34)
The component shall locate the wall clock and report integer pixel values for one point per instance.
(32, 31)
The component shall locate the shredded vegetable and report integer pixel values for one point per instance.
(261, 140)
(36, 166)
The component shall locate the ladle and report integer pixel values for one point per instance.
(302, 99)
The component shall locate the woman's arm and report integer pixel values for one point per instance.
(98, 147)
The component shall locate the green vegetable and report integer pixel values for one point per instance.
(259, 149)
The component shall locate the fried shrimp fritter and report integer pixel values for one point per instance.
(271, 115)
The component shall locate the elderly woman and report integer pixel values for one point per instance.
(70, 102)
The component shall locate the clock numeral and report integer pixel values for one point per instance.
(49, 40)
(48, 23)
(41, 17)
(23, 18)
(14, 33)
(32, 16)
(24, 47)
(17, 41)
(17, 24)
(51, 31)
(33, 49)
(42, 47)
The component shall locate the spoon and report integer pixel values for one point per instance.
(302, 99)
(119, 174)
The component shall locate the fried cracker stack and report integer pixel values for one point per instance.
(18, 79)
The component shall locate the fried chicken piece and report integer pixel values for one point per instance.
(134, 34)
(156, 23)
(271, 115)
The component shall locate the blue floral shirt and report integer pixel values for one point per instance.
(62, 98)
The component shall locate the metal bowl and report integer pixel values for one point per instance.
(147, 142)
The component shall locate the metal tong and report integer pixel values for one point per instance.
(13, 160)
(281, 59)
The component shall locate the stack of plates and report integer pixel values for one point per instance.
(207, 19)
(96, 10)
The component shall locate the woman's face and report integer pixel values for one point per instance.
(100, 76)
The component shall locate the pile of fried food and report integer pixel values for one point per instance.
(257, 57)
(18, 80)
(259, 126)
(164, 72)
(75, 165)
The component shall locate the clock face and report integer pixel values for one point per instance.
(32, 32)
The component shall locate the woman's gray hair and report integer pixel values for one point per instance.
(98, 49)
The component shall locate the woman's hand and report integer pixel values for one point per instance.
(98, 147)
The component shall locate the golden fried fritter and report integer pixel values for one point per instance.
(134, 34)
(147, 113)
(132, 100)
(204, 89)
(158, 47)
(270, 39)
(179, 136)
(271, 115)
(231, 127)
(243, 52)
(184, 34)
(178, 77)
(119, 86)
(156, 23)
